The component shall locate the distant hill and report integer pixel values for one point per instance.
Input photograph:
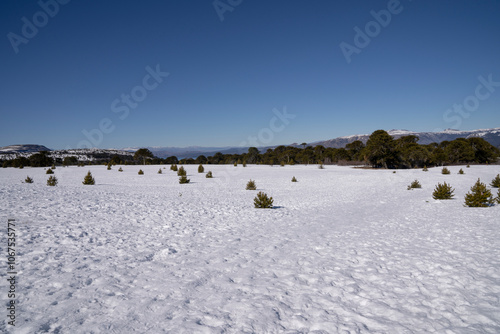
(490, 135)
(23, 148)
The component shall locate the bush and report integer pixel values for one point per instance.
(468, 166)
(262, 201)
(479, 196)
(174, 168)
(52, 181)
(21, 167)
(88, 179)
(461, 171)
(445, 171)
(183, 179)
(415, 184)
(498, 196)
(244, 163)
(282, 164)
(28, 180)
(49, 171)
(294, 179)
(251, 185)
(425, 169)
(120, 169)
(321, 166)
(140, 172)
(443, 191)
(109, 166)
(53, 167)
(235, 164)
(159, 171)
(496, 182)
(181, 172)
(201, 169)
(209, 175)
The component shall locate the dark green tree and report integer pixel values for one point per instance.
(479, 196)
(88, 179)
(380, 149)
(143, 154)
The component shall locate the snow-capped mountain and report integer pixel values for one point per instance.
(29, 148)
(84, 154)
(490, 135)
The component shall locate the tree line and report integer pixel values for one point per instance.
(380, 151)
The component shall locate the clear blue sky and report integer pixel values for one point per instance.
(226, 76)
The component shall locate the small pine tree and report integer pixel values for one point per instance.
(181, 171)
(109, 166)
(443, 191)
(495, 183)
(49, 171)
(21, 167)
(53, 167)
(468, 166)
(414, 185)
(262, 201)
(445, 171)
(159, 171)
(425, 169)
(52, 181)
(28, 180)
(244, 163)
(251, 185)
(282, 164)
(294, 179)
(183, 179)
(120, 169)
(461, 171)
(498, 196)
(173, 168)
(321, 166)
(479, 196)
(201, 169)
(140, 172)
(209, 175)
(88, 179)
(235, 164)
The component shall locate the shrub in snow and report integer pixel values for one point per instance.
(53, 167)
(479, 196)
(183, 179)
(468, 166)
(496, 182)
(140, 172)
(49, 171)
(321, 166)
(209, 175)
(262, 201)
(461, 171)
(443, 191)
(181, 171)
(88, 179)
(425, 169)
(235, 164)
(294, 179)
(244, 163)
(251, 185)
(120, 169)
(414, 184)
(28, 179)
(159, 171)
(21, 167)
(282, 164)
(109, 166)
(445, 171)
(201, 169)
(498, 196)
(174, 168)
(52, 181)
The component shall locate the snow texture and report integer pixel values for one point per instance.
(343, 251)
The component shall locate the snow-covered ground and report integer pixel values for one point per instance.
(344, 251)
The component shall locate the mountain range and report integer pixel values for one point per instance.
(12, 151)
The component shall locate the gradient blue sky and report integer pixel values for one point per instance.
(226, 77)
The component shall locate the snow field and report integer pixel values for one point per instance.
(344, 251)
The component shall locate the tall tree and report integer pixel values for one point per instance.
(143, 153)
